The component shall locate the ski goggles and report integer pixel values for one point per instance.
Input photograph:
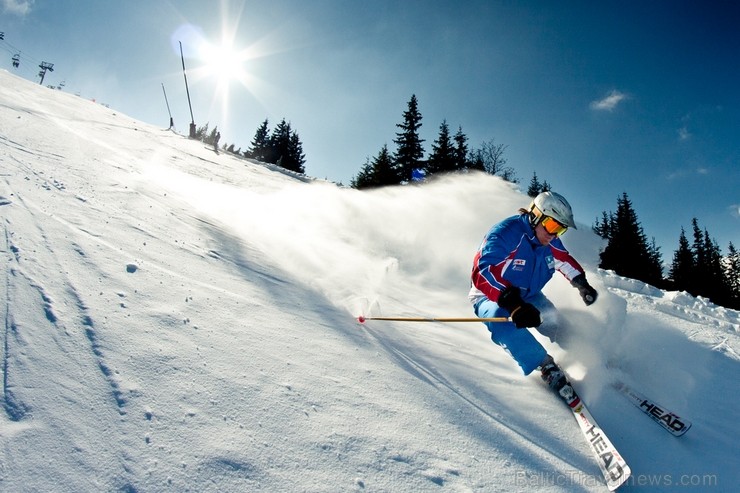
(552, 226)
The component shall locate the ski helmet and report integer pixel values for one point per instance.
(554, 205)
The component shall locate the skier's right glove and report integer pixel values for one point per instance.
(522, 314)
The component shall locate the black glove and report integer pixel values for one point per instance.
(522, 314)
(588, 293)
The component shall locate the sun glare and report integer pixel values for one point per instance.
(221, 63)
(224, 63)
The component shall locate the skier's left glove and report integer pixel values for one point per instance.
(587, 292)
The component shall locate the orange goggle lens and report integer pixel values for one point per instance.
(552, 226)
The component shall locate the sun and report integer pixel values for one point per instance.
(226, 67)
(220, 62)
(224, 63)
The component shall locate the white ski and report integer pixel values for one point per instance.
(612, 465)
(671, 422)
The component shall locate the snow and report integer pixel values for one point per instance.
(177, 320)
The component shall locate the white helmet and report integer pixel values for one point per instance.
(554, 205)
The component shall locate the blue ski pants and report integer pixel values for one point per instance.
(519, 343)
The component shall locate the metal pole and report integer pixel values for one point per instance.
(172, 122)
(192, 119)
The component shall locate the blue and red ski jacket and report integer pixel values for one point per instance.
(511, 255)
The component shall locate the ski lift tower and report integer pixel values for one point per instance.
(44, 67)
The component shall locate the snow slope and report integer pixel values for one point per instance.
(177, 320)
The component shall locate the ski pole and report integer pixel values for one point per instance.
(362, 319)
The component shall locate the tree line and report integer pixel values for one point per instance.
(282, 146)
(698, 267)
(450, 153)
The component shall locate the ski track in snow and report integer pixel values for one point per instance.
(79, 318)
(65, 328)
(13, 409)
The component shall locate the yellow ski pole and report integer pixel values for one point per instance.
(362, 319)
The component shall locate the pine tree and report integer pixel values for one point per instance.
(461, 150)
(717, 288)
(683, 266)
(604, 227)
(285, 148)
(260, 149)
(280, 142)
(627, 252)
(296, 157)
(700, 270)
(378, 172)
(442, 158)
(364, 178)
(699, 279)
(201, 132)
(655, 264)
(732, 276)
(409, 150)
(535, 187)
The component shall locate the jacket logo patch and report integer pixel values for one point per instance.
(519, 264)
(550, 262)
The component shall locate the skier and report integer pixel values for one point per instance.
(516, 259)
(215, 141)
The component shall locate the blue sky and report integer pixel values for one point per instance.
(597, 98)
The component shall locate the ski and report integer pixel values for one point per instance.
(612, 465)
(669, 421)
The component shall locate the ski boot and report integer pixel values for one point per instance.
(555, 378)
